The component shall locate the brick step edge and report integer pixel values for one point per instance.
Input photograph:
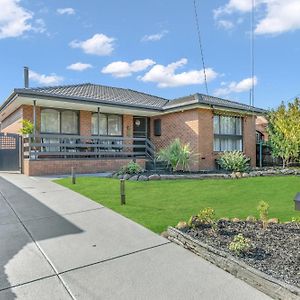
(259, 280)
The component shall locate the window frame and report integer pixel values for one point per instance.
(234, 136)
(60, 110)
(107, 115)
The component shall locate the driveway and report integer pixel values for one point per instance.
(57, 244)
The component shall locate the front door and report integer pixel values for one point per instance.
(9, 152)
(139, 131)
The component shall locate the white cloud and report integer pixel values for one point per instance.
(282, 16)
(278, 16)
(79, 66)
(99, 44)
(16, 20)
(154, 37)
(66, 11)
(235, 87)
(225, 24)
(125, 69)
(43, 79)
(165, 76)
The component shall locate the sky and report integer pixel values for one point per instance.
(152, 46)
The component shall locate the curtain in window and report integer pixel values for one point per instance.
(69, 122)
(114, 123)
(102, 124)
(227, 133)
(50, 121)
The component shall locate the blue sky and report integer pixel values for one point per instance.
(152, 46)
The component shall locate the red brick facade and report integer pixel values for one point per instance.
(194, 126)
(81, 166)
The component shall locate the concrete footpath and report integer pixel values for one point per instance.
(57, 244)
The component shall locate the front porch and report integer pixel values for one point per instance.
(57, 154)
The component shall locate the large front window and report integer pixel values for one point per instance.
(108, 124)
(228, 134)
(59, 121)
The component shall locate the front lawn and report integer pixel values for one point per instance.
(158, 204)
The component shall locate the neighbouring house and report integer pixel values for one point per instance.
(95, 128)
(261, 129)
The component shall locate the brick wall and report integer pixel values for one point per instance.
(195, 127)
(249, 136)
(183, 125)
(85, 123)
(63, 166)
(206, 139)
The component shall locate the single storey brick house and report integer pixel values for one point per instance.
(95, 128)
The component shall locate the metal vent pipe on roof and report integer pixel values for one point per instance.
(26, 77)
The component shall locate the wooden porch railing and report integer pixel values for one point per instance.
(47, 146)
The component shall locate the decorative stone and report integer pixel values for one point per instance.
(126, 176)
(154, 177)
(143, 178)
(134, 178)
(238, 175)
(245, 175)
(233, 175)
(251, 219)
(165, 234)
(182, 225)
(235, 220)
(273, 221)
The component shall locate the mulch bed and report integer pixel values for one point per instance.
(274, 251)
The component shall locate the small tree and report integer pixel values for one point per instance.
(27, 127)
(284, 132)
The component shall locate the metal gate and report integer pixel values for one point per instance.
(9, 152)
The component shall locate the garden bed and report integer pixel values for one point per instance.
(206, 174)
(272, 264)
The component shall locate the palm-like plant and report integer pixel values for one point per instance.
(176, 155)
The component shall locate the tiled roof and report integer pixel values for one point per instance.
(127, 97)
(211, 101)
(101, 94)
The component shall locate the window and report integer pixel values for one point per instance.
(108, 124)
(157, 127)
(50, 121)
(69, 122)
(59, 121)
(228, 133)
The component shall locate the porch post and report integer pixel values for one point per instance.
(98, 129)
(34, 126)
(98, 121)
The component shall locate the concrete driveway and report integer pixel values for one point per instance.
(57, 244)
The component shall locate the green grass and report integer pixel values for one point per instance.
(158, 204)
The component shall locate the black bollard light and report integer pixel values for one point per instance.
(73, 176)
(297, 201)
(122, 192)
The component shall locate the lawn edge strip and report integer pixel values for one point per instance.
(259, 280)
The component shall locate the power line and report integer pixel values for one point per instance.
(252, 54)
(200, 45)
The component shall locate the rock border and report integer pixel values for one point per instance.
(234, 175)
(259, 280)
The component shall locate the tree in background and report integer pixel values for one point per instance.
(284, 132)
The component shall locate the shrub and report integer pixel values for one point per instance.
(131, 168)
(263, 209)
(27, 127)
(239, 245)
(205, 216)
(296, 219)
(234, 161)
(177, 155)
